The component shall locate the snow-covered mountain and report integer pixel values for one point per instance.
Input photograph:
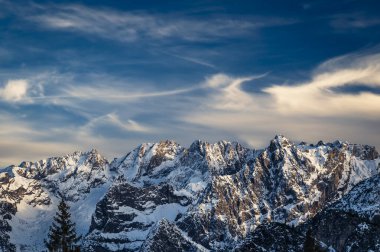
(208, 197)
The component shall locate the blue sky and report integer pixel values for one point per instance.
(113, 74)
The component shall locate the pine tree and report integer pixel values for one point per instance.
(62, 236)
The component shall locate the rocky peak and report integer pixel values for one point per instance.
(221, 158)
(206, 149)
(146, 160)
(320, 143)
(165, 147)
(198, 146)
(163, 151)
(93, 154)
(278, 142)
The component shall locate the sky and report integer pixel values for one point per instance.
(113, 74)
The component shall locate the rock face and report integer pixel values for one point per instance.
(208, 197)
(126, 214)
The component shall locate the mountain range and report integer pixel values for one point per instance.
(208, 197)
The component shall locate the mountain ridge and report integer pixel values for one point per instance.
(213, 194)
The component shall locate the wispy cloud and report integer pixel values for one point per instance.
(99, 93)
(64, 89)
(131, 26)
(192, 60)
(114, 120)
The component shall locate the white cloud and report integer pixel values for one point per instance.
(318, 96)
(228, 94)
(14, 90)
(218, 80)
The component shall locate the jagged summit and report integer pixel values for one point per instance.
(278, 142)
(213, 196)
(280, 138)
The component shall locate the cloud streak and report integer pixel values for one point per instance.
(95, 93)
(192, 60)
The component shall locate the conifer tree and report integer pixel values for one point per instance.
(62, 236)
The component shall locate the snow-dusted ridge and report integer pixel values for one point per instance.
(211, 195)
